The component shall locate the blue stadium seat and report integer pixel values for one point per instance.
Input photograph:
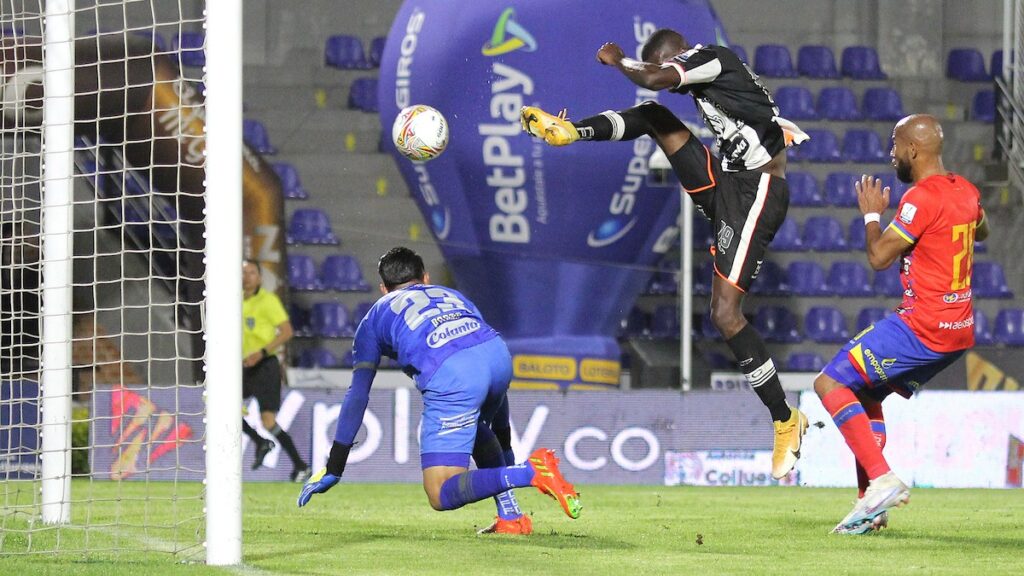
(787, 239)
(824, 234)
(816, 62)
(882, 104)
(771, 280)
(376, 51)
(980, 248)
(849, 279)
(703, 233)
(341, 272)
(826, 324)
(966, 65)
(803, 189)
(887, 282)
(708, 330)
(665, 278)
(857, 239)
(331, 320)
(256, 136)
(157, 39)
(983, 107)
(822, 147)
(636, 324)
(777, 324)
(840, 189)
(804, 362)
(989, 281)
(189, 46)
(345, 52)
(896, 188)
(665, 322)
(360, 311)
(300, 321)
(838, 103)
(702, 277)
(982, 331)
(302, 274)
(740, 52)
(807, 279)
(863, 146)
(997, 63)
(719, 361)
(363, 95)
(773, 61)
(291, 185)
(861, 63)
(1009, 328)
(310, 226)
(318, 358)
(868, 316)
(795, 103)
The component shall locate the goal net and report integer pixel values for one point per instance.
(102, 277)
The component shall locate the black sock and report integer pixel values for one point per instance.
(251, 432)
(755, 363)
(286, 442)
(628, 124)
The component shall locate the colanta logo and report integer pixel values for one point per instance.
(508, 36)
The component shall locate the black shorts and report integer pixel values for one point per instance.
(746, 209)
(264, 382)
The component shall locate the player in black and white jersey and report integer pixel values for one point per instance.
(743, 191)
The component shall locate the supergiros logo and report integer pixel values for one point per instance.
(508, 36)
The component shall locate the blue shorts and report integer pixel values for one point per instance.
(467, 389)
(887, 357)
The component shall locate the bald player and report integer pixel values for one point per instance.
(932, 236)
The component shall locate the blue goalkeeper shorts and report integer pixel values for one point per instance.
(887, 357)
(466, 390)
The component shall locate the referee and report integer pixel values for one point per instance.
(265, 329)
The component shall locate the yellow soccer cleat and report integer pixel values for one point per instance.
(789, 437)
(555, 130)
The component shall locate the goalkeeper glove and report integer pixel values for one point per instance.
(321, 482)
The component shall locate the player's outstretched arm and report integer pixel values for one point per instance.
(983, 229)
(646, 75)
(883, 248)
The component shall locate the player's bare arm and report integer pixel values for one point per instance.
(650, 76)
(981, 233)
(883, 248)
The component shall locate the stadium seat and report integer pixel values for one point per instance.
(838, 103)
(887, 282)
(997, 63)
(302, 274)
(803, 189)
(982, 331)
(980, 248)
(787, 239)
(256, 137)
(824, 234)
(983, 107)
(708, 329)
(882, 104)
(318, 358)
(330, 320)
(344, 52)
(804, 362)
(703, 234)
(861, 63)
(863, 146)
(826, 324)
(966, 65)
(773, 61)
(740, 52)
(849, 279)
(291, 185)
(989, 281)
(807, 279)
(896, 188)
(341, 272)
(665, 322)
(363, 95)
(816, 62)
(156, 38)
(189, 46)
(840, 189)
(1009, 328)
(868, 316)
(300, 321)
(310, 226)
(771, 280)
(360, 311)
(636, 324)
(665, 278)
(777, 324)
(376, 51)
(822, 147)
(719, 361)
(795, 103)
(857, 239)
(702, 276)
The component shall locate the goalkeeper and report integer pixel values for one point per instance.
(462, 368)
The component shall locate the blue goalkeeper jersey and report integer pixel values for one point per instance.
(420, 326)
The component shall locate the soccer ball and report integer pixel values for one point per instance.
(420, 133)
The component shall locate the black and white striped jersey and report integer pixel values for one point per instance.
(735, 106)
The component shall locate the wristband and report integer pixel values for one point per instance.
(872, 217)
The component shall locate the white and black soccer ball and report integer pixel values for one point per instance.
(420, 133)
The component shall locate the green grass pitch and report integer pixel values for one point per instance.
(390, 529)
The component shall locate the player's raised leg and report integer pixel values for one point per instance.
(646, 119)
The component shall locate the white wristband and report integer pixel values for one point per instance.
(872, 217)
